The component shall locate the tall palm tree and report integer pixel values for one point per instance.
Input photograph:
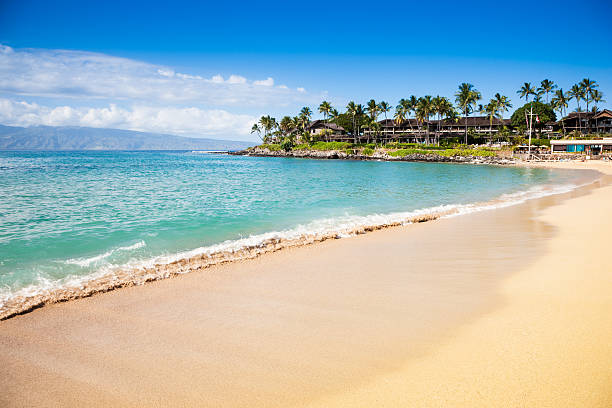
(588, 86)
(373, 110)
(546, 86)
(351, 109)
(526, 91)
(257, 129)
(423, 112)
(577, 93)
(560, 104)
(437, 108)
(503, 104)
(597, 97)
(384, 108)
(467, 97)
(399, 116)
(491, 110)
(267, 124)
(325, 108)
(286, 125)
(407, 105)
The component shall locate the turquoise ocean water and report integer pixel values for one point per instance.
(73, 214)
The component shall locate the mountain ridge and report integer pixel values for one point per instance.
(87, 138)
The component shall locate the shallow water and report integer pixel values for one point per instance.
(67, 215)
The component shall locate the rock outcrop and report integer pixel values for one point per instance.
(378, 155)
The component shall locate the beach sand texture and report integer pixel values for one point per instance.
(489, 309)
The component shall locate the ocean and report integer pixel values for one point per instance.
(68, 218)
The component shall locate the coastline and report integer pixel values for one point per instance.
(172, 265)
(534, 333)
(377, 155)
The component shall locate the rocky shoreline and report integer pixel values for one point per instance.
(377, 155)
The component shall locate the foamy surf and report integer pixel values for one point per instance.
(138, 272)
(84, 262)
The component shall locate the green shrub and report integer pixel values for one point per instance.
(445, 153)
(287, 144)
(302, 146)
(331, 145)
(368, 151)
(271, 146)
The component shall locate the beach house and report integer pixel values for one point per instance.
(589, 147)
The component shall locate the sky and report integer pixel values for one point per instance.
(211, 69)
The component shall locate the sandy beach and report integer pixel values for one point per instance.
(503, 308)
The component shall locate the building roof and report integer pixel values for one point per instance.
(605, 141)
(482, 121)
(321, 124)
(606, 113)
(389, 123)
(576, 115)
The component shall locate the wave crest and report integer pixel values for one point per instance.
(139, 272)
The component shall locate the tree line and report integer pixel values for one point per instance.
(418, 111)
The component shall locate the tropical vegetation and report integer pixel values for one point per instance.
(361, 122)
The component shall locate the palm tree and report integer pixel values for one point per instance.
(503, 104)
(496, 108)
(467, 96)
(351, 109)
(423, 111)
(560, 103)
(384, 108)
(257, 129)
(400, 115)
(526, 90)
(406, 106)
(437, 106)
(588, 86)
(577, 93)
(286, 125)
(546, 86)
(490, 109)
(372, 109)
(597, 97)
(267, 124)
(325, 108)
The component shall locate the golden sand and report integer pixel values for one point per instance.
(489, 309)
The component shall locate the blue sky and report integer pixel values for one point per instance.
(167, 66)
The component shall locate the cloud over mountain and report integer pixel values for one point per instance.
(78, 88)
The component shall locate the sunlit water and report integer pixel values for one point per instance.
(67, 214)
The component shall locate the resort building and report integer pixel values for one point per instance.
(592, 147)
(587, 122)
(413, 130)
(476, 124)
(327, 131)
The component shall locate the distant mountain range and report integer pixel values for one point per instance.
(84, 138)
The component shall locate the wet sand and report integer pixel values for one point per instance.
(509, 307)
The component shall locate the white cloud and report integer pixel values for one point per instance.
(265, 82)
(236, 79)
(63, 74)
(188, 121)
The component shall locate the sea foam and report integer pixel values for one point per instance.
(138, 272)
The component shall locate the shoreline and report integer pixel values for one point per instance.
(377, 156)
(317, 339)
(170, 266)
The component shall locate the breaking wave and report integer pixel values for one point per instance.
(109, 277)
